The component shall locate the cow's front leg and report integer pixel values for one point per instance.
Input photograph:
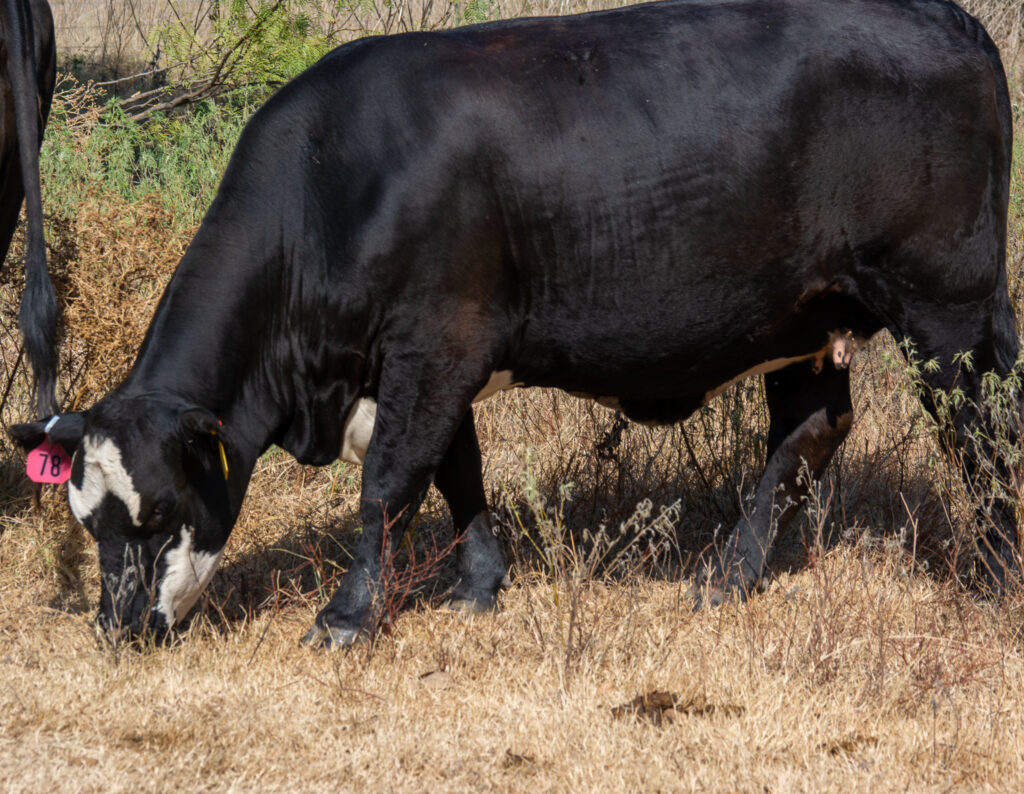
(479, 562)
(422, 401)
(810, 415)
(357, 605)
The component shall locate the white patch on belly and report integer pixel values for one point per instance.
(187, 574)
(358, 429)
(609, 402)
(760, 369)
(103, 473)
(359, 424)
(836, 344)
(499, 381)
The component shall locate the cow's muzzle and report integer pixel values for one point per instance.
(127, 608)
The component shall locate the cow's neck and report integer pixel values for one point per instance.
(205, 344)
(230, 336)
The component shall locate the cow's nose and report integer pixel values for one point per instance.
(109, 631)
(114, 632)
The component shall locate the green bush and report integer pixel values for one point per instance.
(255, 45)
(180, 158)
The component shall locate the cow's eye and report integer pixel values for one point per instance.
(161, 510)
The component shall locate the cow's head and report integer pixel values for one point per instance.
(149, 483)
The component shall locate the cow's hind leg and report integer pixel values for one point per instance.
(811, 414)
(957, 346)
(11, 195)
(479, 562)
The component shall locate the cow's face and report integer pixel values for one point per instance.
(149, 484)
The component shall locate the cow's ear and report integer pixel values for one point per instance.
(63, 429)
(28, 435)
(198, 422)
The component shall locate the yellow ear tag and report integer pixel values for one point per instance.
(223, 455)
(223, 458)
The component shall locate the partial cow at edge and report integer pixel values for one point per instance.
(642, 205)
(28, 71)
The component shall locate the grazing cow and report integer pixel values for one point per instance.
(26, 88)
(640, 205)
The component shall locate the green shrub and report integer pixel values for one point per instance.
(180, 158)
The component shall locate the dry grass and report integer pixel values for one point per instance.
(864, 667)
(849, 676)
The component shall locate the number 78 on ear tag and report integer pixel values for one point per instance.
(48, 463)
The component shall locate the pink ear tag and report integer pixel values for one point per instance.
(48, 463)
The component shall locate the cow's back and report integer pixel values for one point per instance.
(635, 195)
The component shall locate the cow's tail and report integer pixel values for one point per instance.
(39, 310)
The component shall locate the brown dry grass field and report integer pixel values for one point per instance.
(866, 665)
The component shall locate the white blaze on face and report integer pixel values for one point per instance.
(187, 574)
(359, 424)
(103, 473)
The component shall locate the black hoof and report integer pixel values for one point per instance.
(331, 637)
(715, 590)
(706, 596)
(470, 605)
(997, 573)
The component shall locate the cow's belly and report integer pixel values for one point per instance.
(836, 353)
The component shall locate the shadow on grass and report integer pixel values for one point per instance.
(542, 531)
(302, 565)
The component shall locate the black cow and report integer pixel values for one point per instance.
(640, 205)
(26, 88)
